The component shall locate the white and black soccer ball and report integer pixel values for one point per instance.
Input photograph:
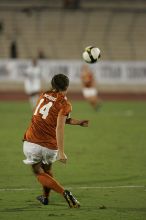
(91, 54)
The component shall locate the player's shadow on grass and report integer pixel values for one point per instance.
(33, 206)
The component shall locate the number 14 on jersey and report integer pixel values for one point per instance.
(44, 110)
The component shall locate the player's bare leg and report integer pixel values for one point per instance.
(48, 169)
(94, 102)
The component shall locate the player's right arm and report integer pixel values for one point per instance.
(60, 137)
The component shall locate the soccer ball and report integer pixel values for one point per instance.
(91, 54)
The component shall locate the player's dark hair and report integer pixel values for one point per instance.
(60, 82)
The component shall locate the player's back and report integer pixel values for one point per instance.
(42, 129)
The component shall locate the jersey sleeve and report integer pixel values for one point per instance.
(66, 109)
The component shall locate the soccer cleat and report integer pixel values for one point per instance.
(43, 200)
(71, 200)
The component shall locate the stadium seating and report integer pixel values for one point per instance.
(62, 34)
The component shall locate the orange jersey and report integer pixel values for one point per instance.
(87, 80)
(42, 129)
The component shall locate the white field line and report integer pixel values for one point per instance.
(76, 187)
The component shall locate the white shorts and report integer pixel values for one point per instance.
(89, 92)
(35, 153)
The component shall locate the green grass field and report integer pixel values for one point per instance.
(106, 165)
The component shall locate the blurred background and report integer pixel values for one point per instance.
(57, 31)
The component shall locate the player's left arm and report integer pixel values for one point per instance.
(83, 123)
(71, 121)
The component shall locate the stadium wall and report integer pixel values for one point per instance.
(115, 80)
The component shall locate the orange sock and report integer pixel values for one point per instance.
(46, 190)
(50, 182)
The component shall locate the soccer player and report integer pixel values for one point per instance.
(89, 89)
(44, 139)
(32, 83)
